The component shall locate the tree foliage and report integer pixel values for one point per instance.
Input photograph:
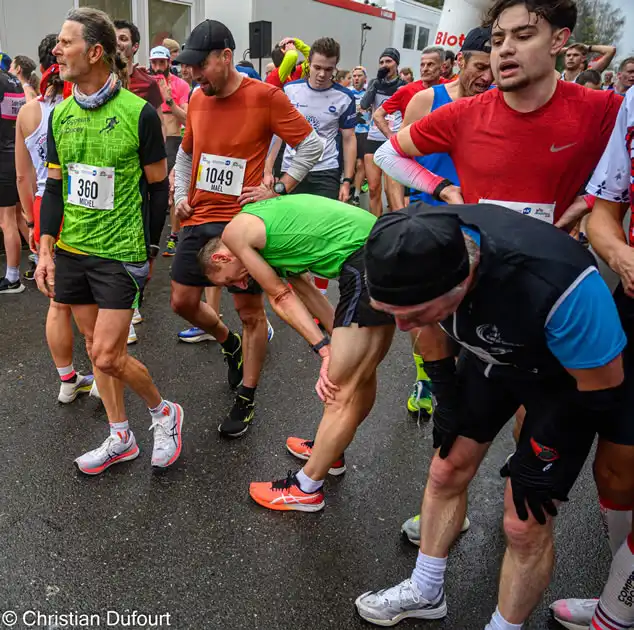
(599, 22)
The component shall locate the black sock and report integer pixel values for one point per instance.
(247, 392)
(231, 344)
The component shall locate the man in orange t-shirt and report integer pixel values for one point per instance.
(219, 168)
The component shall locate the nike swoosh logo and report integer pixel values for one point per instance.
(554, 149)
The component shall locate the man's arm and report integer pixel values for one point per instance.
(289, 63)
(316, 302)
(380, 120)
(25, 173)
(349, 148)
(240, 237)
(607, 55)
(419, 107)
(179, 110)
(153, 159)
(274, 149)
(367, 100)
(577, 209)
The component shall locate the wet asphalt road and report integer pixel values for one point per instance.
(191, 543)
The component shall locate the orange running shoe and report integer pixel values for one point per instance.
(285, 494)
(303, 449)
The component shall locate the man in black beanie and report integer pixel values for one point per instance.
(538, 327)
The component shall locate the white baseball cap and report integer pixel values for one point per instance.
(160, 52)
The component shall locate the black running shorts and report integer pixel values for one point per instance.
(372, 146)
(321, 183)
(354, 300)
(111, 284)
(620, 429)
(8, 185)
(492, 400)
(362, 140)
(172, 144)
(186, 269)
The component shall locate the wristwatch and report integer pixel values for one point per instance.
(443, 184)
(169, 102)
(318, 346)
(348, 180)
(280, 188)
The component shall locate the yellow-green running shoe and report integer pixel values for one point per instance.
(411, 528)
(419, 402)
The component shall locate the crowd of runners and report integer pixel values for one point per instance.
(494, 182)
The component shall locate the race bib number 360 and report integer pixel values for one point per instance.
(220, 174)
(91, 186)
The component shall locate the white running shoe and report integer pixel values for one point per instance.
(137, 318)
(94, 392)
(167, 436)
(391, 605)
(112, 451)
(69, 391)
(574, 614)
(132, 338)
(411, 528)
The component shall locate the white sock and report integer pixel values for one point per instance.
(616, 606)
(120, 430)
(617, 523)
(66, 373)
(159, 411)
(307, 484)
(429, 575)
(499, 623)
(13, 274)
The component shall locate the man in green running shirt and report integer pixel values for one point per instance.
(286, 237)
(107, 181)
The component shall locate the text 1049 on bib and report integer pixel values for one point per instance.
(220, 174)
(91, 186)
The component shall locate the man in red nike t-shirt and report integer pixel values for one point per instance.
(509, 145)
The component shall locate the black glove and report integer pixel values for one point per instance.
(382, 73)
(447, 408)
(533, 470)
(360, 119)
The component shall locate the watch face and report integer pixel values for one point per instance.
(279, 188)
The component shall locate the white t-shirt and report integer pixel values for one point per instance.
(327, 111)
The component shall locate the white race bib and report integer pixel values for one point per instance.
(91, 186)
(542, 211)
(224, 175)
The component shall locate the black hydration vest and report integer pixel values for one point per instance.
(527, 267)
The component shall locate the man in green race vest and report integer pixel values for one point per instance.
(286, 237)
(107, 190)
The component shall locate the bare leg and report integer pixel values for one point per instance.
(314, 300)
(21, 221)
(59, 334)
(355, 354)
(186, 302)
(110, 355)
(110, 389)
(359, 176)
(212, 297)
(527, 565)
(394, 193)
(9, 227)
(373, 174)
(254, 335)
(445, 500)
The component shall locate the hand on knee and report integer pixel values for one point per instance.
(527, 538)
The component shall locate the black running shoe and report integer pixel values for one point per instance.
(234, 362)
(7, 287)
(239, 418)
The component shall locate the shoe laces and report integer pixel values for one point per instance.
(162, 431)
(241, 405)
(400, 594)
(107, 445)
(308, 443)
(285, 484)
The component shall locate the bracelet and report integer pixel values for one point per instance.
(443, 184)
(318, 346)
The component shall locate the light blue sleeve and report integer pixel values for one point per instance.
(583, 330)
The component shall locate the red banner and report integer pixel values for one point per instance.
(351, 5)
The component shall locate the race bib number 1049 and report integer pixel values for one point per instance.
(220, 174)
(91, 186)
